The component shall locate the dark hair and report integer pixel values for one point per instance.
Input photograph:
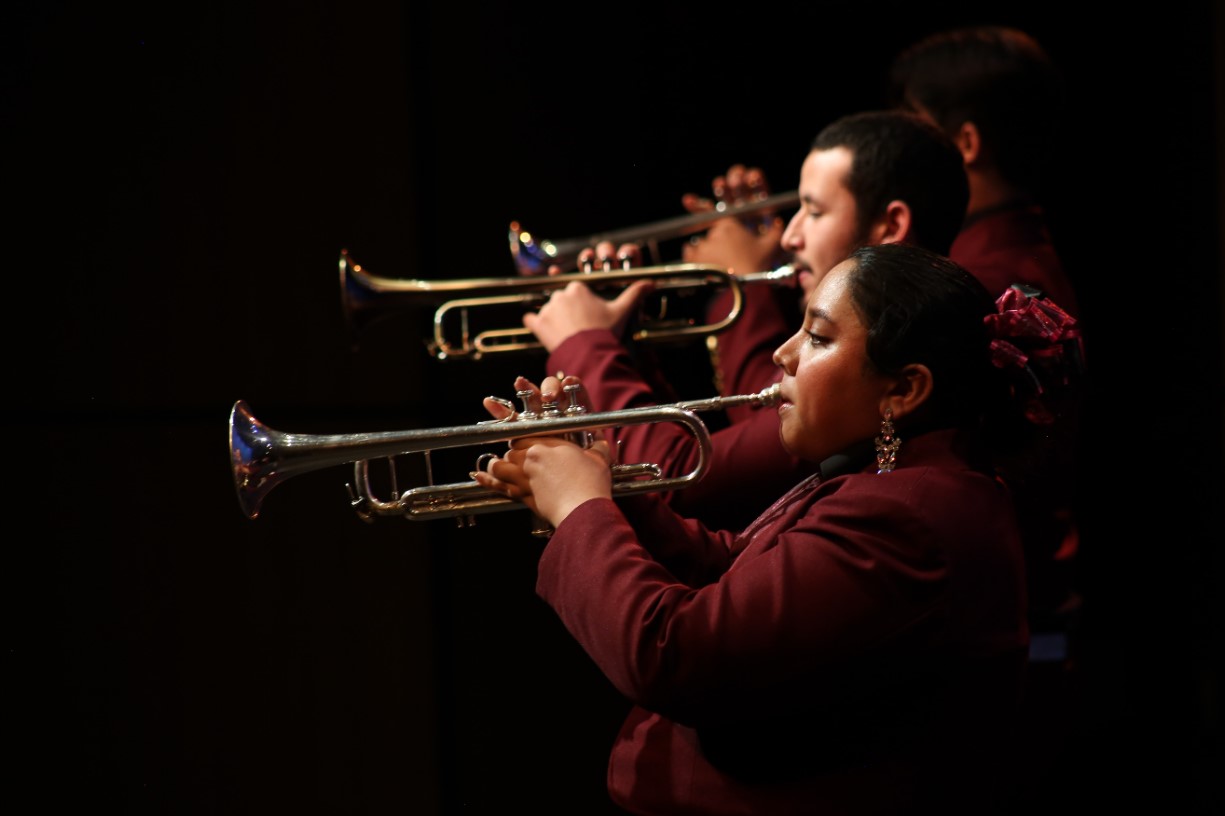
(999, 78)
(898, 155)
(921, 307)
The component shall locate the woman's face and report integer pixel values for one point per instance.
(831, 397)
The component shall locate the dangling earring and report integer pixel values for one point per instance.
(887, 444)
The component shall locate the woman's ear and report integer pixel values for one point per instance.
(894, 226)
(910, 389)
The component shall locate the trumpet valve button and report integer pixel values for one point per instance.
(527, 412)
(572, 391)
(586, 260)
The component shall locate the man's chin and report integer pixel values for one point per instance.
(807, 283)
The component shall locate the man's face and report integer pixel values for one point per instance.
(825, 228)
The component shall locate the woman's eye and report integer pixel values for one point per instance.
(815, 339)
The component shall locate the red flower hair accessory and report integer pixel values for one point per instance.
(1036, 336)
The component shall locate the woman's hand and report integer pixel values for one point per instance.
(549, 474)
(551, 390)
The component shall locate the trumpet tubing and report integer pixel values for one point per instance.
(262, 458)
(530, 293)
(470, 314)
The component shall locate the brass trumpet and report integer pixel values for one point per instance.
(533, 256)
(458, 304)
(262, 458)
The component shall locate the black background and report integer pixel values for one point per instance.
(180, 179)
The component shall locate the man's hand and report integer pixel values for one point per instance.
(577, 308)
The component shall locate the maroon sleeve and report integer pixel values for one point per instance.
(749, 468)
(608, 372)
(744, 352)
(826, 589)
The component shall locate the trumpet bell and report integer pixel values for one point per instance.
(366, 298)
(251, 444)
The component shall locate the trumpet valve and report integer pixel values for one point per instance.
(586, 260)
(527, 413)
(575, 408)
(573, 390)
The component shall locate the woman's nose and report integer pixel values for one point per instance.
(783, 355)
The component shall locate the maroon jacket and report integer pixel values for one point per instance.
(1002, 246)
(1012, 244)
(750, 468)
(859, 648)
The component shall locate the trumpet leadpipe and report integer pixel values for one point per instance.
(765, 398)
(785, 274)
(534, 255)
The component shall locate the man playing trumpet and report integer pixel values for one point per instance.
(870, 178)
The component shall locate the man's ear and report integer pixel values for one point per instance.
(894, 226)
(969, 142)
(910, 390)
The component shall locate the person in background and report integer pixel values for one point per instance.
(999, 96)
(860, 647)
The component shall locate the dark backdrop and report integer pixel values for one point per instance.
(180, 179)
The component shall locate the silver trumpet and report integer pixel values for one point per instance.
(261, 458)
(533, 255)
(472, 317)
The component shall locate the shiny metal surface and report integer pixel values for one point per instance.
(262, 458)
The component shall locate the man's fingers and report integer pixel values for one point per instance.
(633, 293)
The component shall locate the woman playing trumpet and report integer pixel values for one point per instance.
(859, 647)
